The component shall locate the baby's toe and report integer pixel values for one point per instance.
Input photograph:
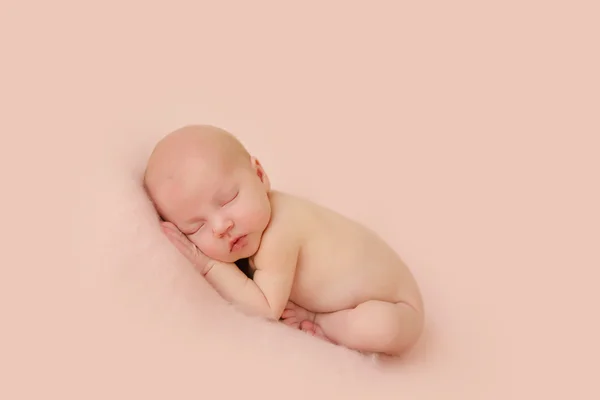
(308, 327)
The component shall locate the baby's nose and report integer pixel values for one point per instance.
(222, 228)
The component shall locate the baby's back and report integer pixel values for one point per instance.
(342, 263)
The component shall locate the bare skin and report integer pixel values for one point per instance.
(314, 269)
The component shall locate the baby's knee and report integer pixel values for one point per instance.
(397, 327)
(392, 328)
(408, 328)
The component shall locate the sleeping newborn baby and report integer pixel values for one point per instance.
(312, 268)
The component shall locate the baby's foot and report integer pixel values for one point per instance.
(294, 315)
(313, 329)
(301, 318)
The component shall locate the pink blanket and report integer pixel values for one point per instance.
(466, 136)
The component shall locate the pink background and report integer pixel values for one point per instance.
(467, 135)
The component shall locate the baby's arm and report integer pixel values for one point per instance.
(235, 287)
(268, 293)
(275, 269)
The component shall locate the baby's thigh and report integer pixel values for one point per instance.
(395, 326)
(377, 316)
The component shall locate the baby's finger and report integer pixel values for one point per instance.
(172, 233)
(182, 243)
(187, 248)
(169, 226)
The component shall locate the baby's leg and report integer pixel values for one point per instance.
(300, 318)
(373, 326)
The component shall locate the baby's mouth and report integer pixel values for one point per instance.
(237, 242)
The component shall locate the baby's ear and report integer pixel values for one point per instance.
(260, 172)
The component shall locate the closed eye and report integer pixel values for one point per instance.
(232, 198)
(195, 230)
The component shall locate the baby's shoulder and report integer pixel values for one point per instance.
(286, 206)
(283, 238)
(288, 215)
(289, 224)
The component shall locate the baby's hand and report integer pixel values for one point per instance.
(187, 248)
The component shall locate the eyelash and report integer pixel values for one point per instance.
(195, 230)
(233, 198)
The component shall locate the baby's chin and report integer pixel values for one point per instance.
(247, 252)
(233, 257)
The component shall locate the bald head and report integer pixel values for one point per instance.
(189, 145)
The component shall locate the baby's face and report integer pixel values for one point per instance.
(223, 208)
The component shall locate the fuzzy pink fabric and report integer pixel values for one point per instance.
(465, 134)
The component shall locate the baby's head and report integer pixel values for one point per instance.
(202, 179)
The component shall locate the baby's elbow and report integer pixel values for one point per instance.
(269, 312)
(272, 317)
(274, 313)
(268, 315)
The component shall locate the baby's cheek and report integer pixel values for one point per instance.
(200, 243)
(261, 216)
(209, 248)
(257, 210)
